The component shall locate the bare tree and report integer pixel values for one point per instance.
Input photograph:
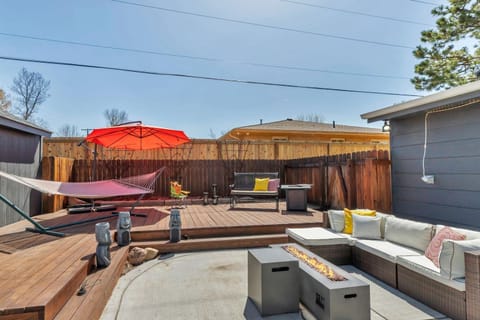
(311, 117)
(115, 117)
(68, 130)
(4, 102)
(31, 90)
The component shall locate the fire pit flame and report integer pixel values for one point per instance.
(315, 264)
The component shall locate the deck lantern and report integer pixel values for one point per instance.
(214, 194)
(124, 224)
(104, 239)
(205, 198)
(175, 225)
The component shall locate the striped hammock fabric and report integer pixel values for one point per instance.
(135, 185)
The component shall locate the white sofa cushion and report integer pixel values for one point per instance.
(408, 233)
(337, 219)
(385, 249)
(384, 217)
(366, 227)
(452, 257)
(425, 266)
(317, 236)
(470, 234)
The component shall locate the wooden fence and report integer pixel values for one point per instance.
(209, 149)
(357, 180)
(354, 180)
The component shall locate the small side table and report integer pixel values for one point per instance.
(273, 281)
(296, 196)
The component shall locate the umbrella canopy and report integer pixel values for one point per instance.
(136, 136)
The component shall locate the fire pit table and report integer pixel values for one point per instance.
(296, 196)
(328, 291)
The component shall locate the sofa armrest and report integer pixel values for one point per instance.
(472, 284)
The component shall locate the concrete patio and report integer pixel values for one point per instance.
(213, 285)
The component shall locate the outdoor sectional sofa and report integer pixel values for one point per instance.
(397, 257)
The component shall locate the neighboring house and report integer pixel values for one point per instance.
(20, 154)
(306, 131)
(435, 152)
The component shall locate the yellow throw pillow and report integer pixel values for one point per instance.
(261, 184)
(348, 217)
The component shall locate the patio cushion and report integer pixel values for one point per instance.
(337, 219)
(433, 250)
(452, 257)
(384, 217)
(425, 266)
(385, 249)
(316, 236)
(366, 227)
(273, 184)
(470, 234)
(261, 184)
(348, 217)
(408, 233)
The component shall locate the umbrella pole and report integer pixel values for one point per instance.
(94, 166)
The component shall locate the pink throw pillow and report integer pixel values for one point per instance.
(433, 250)
(273, 184)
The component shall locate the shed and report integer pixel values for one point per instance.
(20, 154)
(435, 152)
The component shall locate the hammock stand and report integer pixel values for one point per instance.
(128, 182)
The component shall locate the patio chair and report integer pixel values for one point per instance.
(178, 194)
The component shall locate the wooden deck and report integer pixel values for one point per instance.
(42, 274)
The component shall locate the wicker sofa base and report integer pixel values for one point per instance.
(378, 267)
(438, 296)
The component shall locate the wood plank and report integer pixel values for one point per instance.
(215, 243)
(99, 285)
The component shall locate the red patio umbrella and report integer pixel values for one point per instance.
(137, 136)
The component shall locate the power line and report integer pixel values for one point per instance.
(263, 65)
(286, 85)
(267, 26)
(93, 45)
(425, 2)
(355, 12)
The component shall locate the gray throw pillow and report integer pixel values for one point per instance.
(366, 227)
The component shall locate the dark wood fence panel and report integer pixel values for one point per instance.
(356, 180)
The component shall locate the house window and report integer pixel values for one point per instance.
(337, 140)
(279, 138)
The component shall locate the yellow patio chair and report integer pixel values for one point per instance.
(178, 194)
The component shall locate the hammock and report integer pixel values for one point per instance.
(135, 185)
(142, 184)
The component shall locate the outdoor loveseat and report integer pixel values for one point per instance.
(395, 254)
(246, 184)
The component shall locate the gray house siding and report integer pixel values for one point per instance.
(20, 154)
(453, 157)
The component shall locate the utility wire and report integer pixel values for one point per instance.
(263, 65)
(93, 45)
(286, 85)
(425, 2)
(355, 12)
(267, 26)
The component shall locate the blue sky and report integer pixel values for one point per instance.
(79, 96)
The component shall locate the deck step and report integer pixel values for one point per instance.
(165, 246)
(211, 232)
(98, 286)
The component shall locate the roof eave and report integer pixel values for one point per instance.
(447, 97)
(10, 123)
